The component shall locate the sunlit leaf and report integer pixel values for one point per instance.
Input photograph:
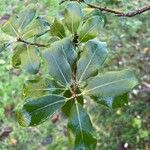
(90, 29)
(10, 27)
(27, 57)
(72, 16)
(81, 126)
(93, 56)
(57, 29)
(111, 84)
(36, 111)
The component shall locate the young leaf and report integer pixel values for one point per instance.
(81, 126)
(113, 102)
(93, 56)
(90, 29)
(113, 83)
(57, 29)
(27, 56)
(36, 111)
(26, 17)
(37, 87)
(72, 16)
(10, 27)
(58, 65)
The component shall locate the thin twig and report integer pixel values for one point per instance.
(119, 13)
(30, 43)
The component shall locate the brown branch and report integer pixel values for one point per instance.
(29, 43)
(120, 13)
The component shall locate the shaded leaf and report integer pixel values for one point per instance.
(36, 111)
(113, 102)
(72, 16)
(111, 84)
(93, 56)
(57, 29)
(81, 126)
(90, 29)
(26, 56)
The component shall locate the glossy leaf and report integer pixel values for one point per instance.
(26, 17)
(26, 56)
(90, 29)
(113, 102)
(36, 111)
(39, 86)
(58, 58)
(10, 27)
(57, 29)
(93, 56)
(81, 126)
(72, 16)
(111, 84)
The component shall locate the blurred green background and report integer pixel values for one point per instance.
(127, 128)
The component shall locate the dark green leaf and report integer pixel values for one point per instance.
(73, 16)
(38, 110)
(113, 102)
(26, 56)
(58, 58)
(26, 17)
(81, 126)
(57, 29)
(111, 84)
(90, 29)
(92, 57)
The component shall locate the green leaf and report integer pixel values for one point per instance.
(111, 84)
(27, 57)
(26, 17)
(36, 111)
(90, 29)
(93, 56)
(81, 126)
(57, 29)
(58, 57)
(39, 86)
(10, 27)
(72, 16)
(113, 102)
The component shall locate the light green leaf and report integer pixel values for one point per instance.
(58, 58)
(93, 56)
(90, 29)
(10, 27)
(36, 111)
(26, 17)
(27, 57)
(39, 86)
(72, 16)
(57, 29)
(113, 102)
(111, 84)
(81, 126)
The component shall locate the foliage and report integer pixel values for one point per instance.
(62, 68)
